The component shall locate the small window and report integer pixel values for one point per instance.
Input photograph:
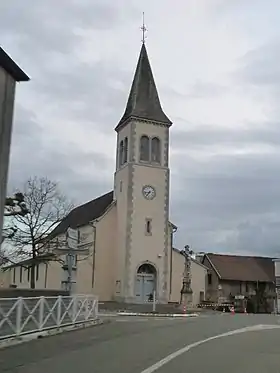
(14, 275)
(148, 229)
(121, 153)
(156, 156)
(37, 272)
(121, 184)
(209, 278)
(125, 150)
(145, 149)
(20, 274)
(28, 274)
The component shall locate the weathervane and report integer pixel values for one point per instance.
(144, 29)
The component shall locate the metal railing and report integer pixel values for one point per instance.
(19, 316)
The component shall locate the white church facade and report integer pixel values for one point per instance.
(127, 231)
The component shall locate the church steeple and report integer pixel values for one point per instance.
(143, 101)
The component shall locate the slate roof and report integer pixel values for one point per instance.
(11, 67)
(243, 268)
(83, 214)
(143, 101)
(27, 262)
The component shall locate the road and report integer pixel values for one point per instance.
(211, 344)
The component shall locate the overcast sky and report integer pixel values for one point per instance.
(216, 65)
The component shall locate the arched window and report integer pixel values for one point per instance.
(121, 151)
(145, 148)
(125, 150)
(156, 151)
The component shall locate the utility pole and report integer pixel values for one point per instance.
(70, 251)
(72, 239)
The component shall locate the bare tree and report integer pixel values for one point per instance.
(46, 207)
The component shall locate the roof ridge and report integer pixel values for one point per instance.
(90, 201)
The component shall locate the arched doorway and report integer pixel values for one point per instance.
(145, 282)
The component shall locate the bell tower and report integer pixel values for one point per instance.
(141, 189)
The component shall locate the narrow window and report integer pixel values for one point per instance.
(14, 279)
(148, 229)
(121, 153)
(145, 149)
(37, 272)
(125, 150)
(120, 186)
(20, 274)
(209, 278)
(156, 156)
(28, 274)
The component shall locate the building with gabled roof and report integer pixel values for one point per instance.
(232, 276)
(127, 231)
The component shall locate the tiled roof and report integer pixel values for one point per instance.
(243, 268)
(11, 67)
(83, 214)
(143, 101)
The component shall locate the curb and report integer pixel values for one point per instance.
(13, 341)
(158, 314)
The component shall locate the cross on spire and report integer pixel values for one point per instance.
(144, 29)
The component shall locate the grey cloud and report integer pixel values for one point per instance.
(206, 89)
(50, 26)
(33, 155)
(224, 200)
(259, 67)
(200, 89)
(266, 133)
(93, 87)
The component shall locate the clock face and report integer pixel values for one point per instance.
(149, 192)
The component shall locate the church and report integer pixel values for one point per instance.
(125, 235)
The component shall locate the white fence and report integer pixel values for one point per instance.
(19, 316)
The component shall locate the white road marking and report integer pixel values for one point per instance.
(177, 353)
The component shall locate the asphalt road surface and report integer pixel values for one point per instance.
(218, 343)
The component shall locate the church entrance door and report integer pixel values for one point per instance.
(145, 282)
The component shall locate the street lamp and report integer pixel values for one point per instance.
(186, 292)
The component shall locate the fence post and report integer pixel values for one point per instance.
(74, 308)
(96, 308)
(41, 313)
(19, 315)
(59, 300)
(154, 301)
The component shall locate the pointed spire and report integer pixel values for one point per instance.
(143, 101)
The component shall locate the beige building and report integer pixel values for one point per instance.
(127, 231)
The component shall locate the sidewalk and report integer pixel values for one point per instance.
(155, 314)
(105, 313)
(146, 308)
